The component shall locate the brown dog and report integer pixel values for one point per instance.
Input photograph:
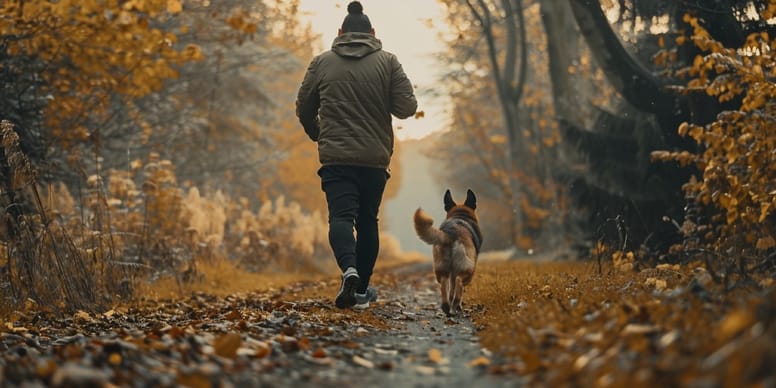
(456, 244)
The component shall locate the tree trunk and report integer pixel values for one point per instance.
(510, 80)
(562, 51)
(633, 81)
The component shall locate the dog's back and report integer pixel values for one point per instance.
(456, 243)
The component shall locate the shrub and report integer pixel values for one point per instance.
(732, 203)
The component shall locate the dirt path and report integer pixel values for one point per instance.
(423, 348)
(282, 338)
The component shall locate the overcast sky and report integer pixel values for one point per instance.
(403, 27)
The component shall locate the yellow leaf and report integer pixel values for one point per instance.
(82, 315)
(736, 322)
(683, 128)
(765, 243)
(174, 6)
(192, 52)
(498, 139)
(435, 355)
(480, 361)
(696, 132)
(765, 209)
(114, 359)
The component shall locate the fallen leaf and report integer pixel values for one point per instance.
(389, 352)
(319, 353)
(582, 361)
(227, 345)
(194, 380)
(479, 361)
(45, 368)
(531, 362)
(233, 315)
(304, 343)
(735, 322)
(669, 338)
(82, 316)
(435, 355)
(635, 328)
(363, 362)
(425, 370)
(114, 359)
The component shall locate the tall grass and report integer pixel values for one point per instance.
(89, 248)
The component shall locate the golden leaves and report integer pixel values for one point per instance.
(765, 243)
(94, 49)
(193, 52)
(498, 139)
(242, 23)
(174, 6)
(735, 157)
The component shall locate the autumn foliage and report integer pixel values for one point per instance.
(87, 52)
(732, 200)
(64, 253)
(145, 141)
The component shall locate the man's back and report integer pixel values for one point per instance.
(354, 88)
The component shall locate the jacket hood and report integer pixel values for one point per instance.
(356, 44)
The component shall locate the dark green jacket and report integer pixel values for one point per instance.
(347, 98)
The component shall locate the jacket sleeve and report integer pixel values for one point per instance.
(403, 102)
(308, 102)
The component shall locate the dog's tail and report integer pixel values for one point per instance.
(426, 231)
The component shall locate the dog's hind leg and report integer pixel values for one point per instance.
(461, 281)
(457, 294)
(443, 278)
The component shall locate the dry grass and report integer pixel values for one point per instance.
(563, 323)
(224, 277)
(221, 277)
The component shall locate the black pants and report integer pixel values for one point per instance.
(353, 195)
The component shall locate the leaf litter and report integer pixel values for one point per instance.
(544, 324)
(289, 336)
(565, 323)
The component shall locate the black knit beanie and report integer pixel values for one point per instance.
(356, 21)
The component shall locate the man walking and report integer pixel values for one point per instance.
(345, 104)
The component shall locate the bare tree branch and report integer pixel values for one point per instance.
(630, 78)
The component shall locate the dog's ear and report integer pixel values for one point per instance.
(449, 203)
(471, 200)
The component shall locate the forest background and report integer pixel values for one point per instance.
(150, 139)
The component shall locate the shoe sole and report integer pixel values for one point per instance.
(347, 297)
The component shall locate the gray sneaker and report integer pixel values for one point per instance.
(362, 300)
(346, 297)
